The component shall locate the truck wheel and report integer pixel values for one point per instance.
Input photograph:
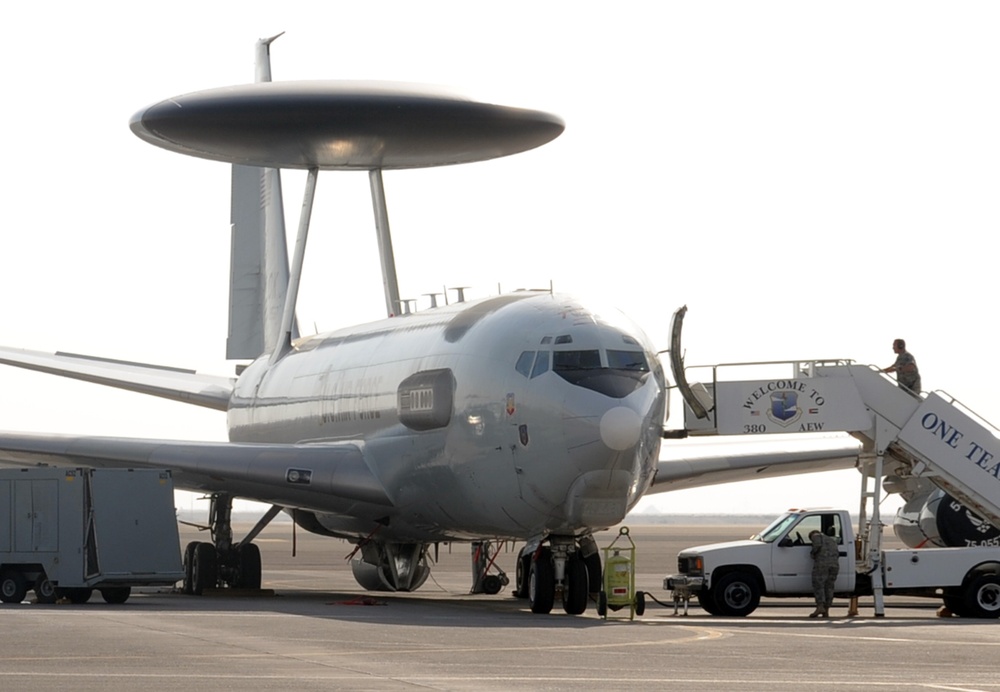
(640, 603)
(955, 603)
(707, 602)
(116, 594)
(45, 592)
(736, 594)
(982, 596)
(13, 588)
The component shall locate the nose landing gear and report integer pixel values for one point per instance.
(567, 568)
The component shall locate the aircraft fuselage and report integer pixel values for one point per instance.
(513, 416)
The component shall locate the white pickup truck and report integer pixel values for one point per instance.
(730, 578)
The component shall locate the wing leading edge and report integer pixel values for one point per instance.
(320, 477)
(703, 469)
(185, 386)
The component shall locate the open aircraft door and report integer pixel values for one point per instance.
(697, 398)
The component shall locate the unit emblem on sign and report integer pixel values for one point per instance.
(784, 408)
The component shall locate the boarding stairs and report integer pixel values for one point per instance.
(906, 436)
(930, 436)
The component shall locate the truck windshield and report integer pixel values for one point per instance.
(776, 529)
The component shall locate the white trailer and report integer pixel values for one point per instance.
(66, 532)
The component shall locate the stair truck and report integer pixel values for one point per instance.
(924, 446)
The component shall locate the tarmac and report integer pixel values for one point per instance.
(319, 631)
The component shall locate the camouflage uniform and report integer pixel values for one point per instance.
(910, 380)
(826, 565)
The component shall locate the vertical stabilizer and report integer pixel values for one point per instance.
(258, 278)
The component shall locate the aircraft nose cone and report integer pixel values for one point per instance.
(620, 428)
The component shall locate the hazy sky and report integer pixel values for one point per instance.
(811, 179)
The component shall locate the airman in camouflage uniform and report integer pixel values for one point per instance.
(905, 367)
(826, 565)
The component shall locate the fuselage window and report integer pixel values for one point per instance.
(576, 360)
(541, 364)
(524, 363)
(628, 360)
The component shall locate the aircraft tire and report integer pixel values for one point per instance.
(204, 568)
(577, 589)
(521, 572)
(189, 550)
(542, 583)
(248, 566)
(594, 573)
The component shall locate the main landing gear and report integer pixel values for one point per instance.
(222, 563)
(567, 568)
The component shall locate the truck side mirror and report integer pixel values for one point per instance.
(785, 542)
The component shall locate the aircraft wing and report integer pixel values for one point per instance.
(726, 462)
(319, 476)
(185, 386)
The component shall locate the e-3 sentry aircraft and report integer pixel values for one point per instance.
(528, 416)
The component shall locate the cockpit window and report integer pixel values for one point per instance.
(628, 360)
(524, 362)
(532, 364)
(575, 360)
(541, 364)
(625, 371)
